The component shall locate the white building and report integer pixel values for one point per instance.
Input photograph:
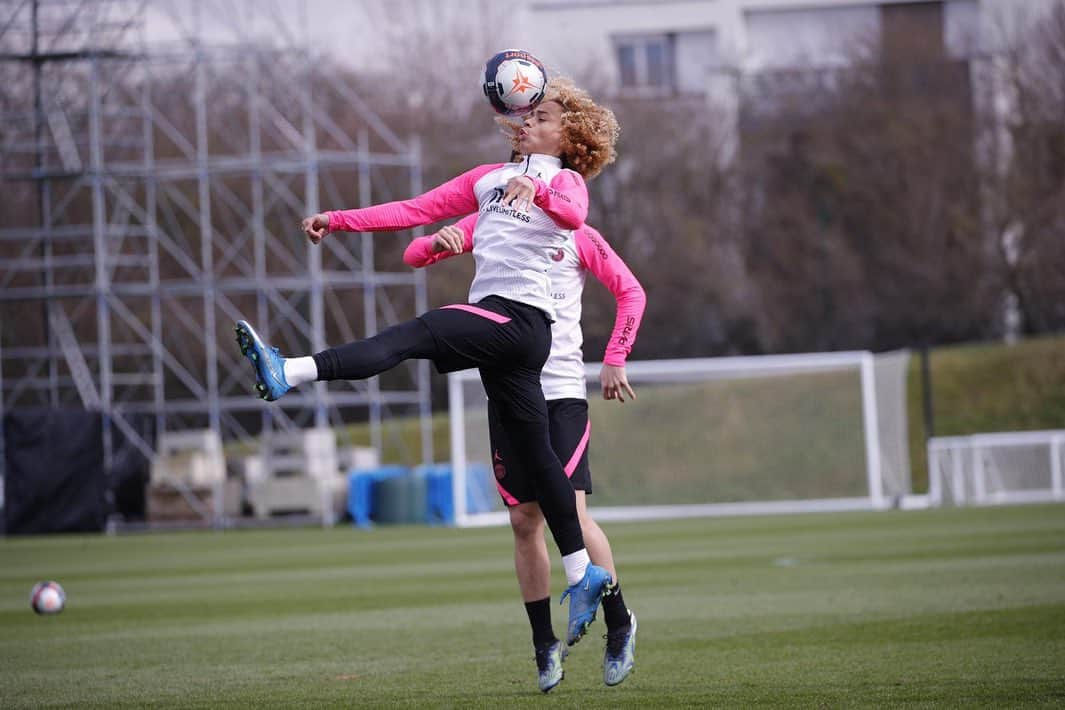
(655, 47)
(712, 48)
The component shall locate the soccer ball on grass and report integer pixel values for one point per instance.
(48, 598)
(514, 82)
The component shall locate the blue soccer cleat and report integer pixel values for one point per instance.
(549, 664)
(584, 598)
(269, 365)
(620, 655)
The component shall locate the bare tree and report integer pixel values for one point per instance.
(862, 211)
(1031, 185)
(666, 207)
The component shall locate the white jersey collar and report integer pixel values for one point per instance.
(541, 161)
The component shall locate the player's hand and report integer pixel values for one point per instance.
(316, 227)
(450, 238)
(615, 383)
(520, 193)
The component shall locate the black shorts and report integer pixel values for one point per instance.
(570, 432)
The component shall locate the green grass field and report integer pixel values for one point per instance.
(948, 608)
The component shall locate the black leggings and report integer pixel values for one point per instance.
(372, 356)
(508, 342)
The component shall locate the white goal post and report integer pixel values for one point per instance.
(724, 436)
(1000, 467)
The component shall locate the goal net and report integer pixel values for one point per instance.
(1003, 467)
(724, 436)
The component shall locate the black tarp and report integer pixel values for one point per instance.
(128, 477)
(54, 471)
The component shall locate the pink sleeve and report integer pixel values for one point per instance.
(466, 224)
(597, 256)
(419, 252)
(565, 200)
(455, 197)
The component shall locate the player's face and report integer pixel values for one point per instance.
(541, 131)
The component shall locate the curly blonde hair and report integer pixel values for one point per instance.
(589, 131)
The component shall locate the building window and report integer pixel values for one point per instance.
(627, 65)
(645, 63)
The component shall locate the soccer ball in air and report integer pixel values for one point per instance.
(48, 598)
(514, 82)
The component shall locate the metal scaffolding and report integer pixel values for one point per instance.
(154, 180)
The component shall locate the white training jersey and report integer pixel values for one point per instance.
(563, 373)
(513, 246)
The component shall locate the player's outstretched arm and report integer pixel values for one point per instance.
(598, 257)
(454, 198)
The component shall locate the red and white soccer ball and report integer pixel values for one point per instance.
(514, 82)
(48, 598)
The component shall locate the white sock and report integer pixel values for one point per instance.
(575, 564)
(299, 370)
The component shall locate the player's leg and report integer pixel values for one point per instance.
(533, 567)
(570, 431)
(531, 560)
(523, 414)
(371, 356)
(276, 375)
(571, 436)
(511, 380)
(510, 342)
(620, 654)
(521, 411)
(455, 337)
(595, 539)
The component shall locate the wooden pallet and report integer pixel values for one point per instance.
(166, 503)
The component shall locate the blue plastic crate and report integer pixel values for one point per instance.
(360, 491)
(440, 508)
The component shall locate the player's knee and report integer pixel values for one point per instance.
(526, 521)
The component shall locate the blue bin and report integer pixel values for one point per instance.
(361, 484)
(399, 499)
(480, 491)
